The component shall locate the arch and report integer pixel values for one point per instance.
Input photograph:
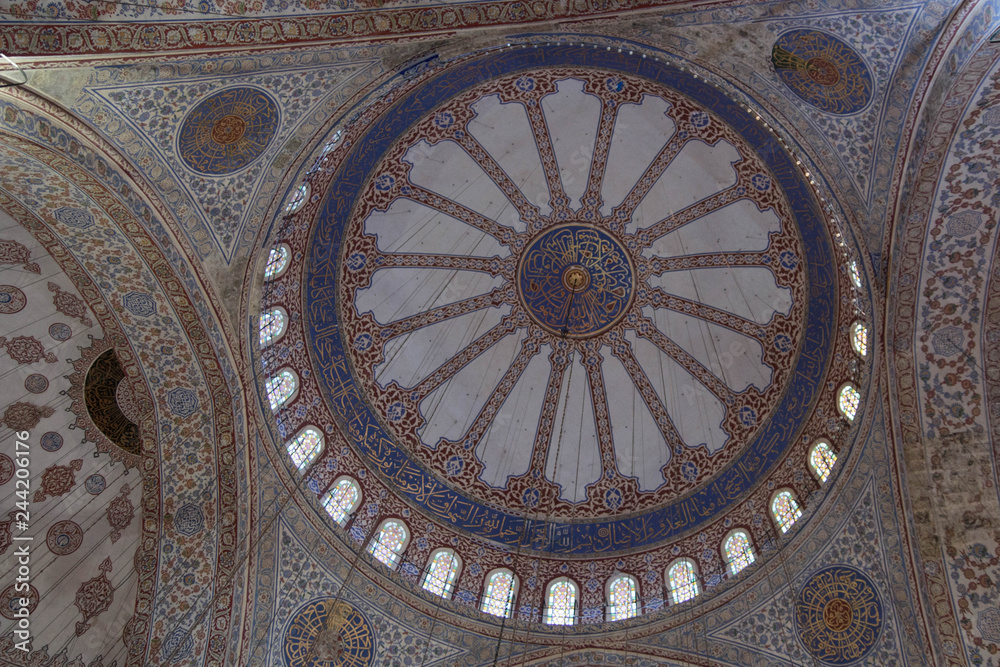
(561, 597)
(298, 199)
(859, 339)
(785, 509)
(281, 388)
(821, 459)
(622, 593)
(848, 401)
(277, 261)
(305, 447)
(737, 550)
(682, 580)
(854, 273)
(389, 542)
(499, 593)
(343, 498)
(441, 572)
(273, 324)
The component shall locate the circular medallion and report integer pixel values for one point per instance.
(614, 334)
(6, 468)
(575, 281)
(823, 70)
(10, 601)
(64, 537)
(51, 441)
(331, 633)
(12, 300)
(60, 331)
(36, 383)
(95, 484)
(839, 615)
(227, 131)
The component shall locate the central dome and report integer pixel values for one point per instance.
(568, 287)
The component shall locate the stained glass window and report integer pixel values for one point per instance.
(821, 459)
(342, 499)
(623, 598)
(499, 596)
(738, 551)
(859, 338)
(277, 262)
(442, 570)
(848, 401)
(785, 509)
(852, 270)
(280, 388)
(560, 603)
(388, 544)
(683, 581)
(304, 447)
(272, 326)
(298, 199)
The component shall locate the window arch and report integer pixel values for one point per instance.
(305, 447)
(682, 580)
(277, 261)
(498, 596)
(854, 273)
(623, 598)
(821, 459)
(785, 509)
(299, 198)
(848, 400)
(389, 542)
(737, 549)
(342, 499)
(281, 388)
(273, 324)
(859, 338)
(560, 602)
(441, 573)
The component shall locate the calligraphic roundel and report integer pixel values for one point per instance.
(227, 130)
(568, 286)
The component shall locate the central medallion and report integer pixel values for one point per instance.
(575, 280)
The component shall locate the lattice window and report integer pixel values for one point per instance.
(277, 262)
(305, 447)
(738, 551)
(499, 596)
(388, 544)
(560, 602)
(821, 459)
(280, 388)
(442, 570)
(854, 273)
(848, 400)
(785, 509)
(623, 598)
(272, 326)
(682, 579)
(299, 197)
(340, 501)
(859, 338)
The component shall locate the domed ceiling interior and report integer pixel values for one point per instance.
(499, 333)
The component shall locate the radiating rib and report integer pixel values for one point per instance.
(649, 396)
(558, 199)
(493, 298)
(495, 266)
(558, 361)
(591, 199)
(708, 260)
(623, 212)
(508, 325)
(501, 233)
(647, 329)
(602, 420)
(475, 150)
(658, 298)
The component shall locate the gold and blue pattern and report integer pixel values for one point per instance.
(227, 131)
(329, 633)
(823, 71)
(839, 615)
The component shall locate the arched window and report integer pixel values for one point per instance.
(498, 598)
(299, 197)
(848, 400)
(821, 459)
(273, 324)
(560, 602)
(277, 262)
(738, 551)
(682, 580)
(389, 542)
(852, 271)
(623, 598)
(342, 499)
(785, 509)
(281, 388)
(441, 573)
(859, 338)
(305, 447)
